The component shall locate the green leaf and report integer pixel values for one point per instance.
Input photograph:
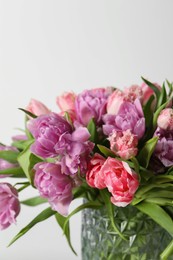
(167, 252)
(160, 201)
(61, 220)
(147, 151)
(92, 130)
(28, 113)
(106, 151)
(148, 187)
(163, 96)
(35, 201)
(136, 164)
(68, 118)
(148, 113)
(22, 144)
(10, 156)
(27, 160)
(45, 214)
(158, 193)
(159, 179)
(78, 192)
(170, 85)
(16, 172)
(156, 114)
(158, 214)
(106, 198)
(145, 173)
(153, 87)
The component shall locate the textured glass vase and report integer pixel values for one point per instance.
(146, 239)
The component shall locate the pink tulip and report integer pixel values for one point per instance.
(120, 180)
(115, 100)
(124, 144)
(66, 102)
(133, 92)
(93, 176)
(165, 119)
(37, 108)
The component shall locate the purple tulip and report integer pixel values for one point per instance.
(129, 117)
(54, 185)
(47, 130)
(9, 205)
(75, 149)
(91, 104)
(164, 147)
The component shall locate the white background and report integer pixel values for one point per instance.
(47, 47)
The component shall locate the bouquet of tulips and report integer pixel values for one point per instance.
(112, 147)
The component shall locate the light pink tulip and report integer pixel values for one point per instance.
(124, 144)
(133, 92)
(66, 102)
(37, 108)
(165, 119)
(115, 100)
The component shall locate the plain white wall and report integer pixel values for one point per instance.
(49, 46)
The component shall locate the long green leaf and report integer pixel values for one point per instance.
(28, 113)
(148, 113)
(167, 252)
(170, 85)
(27, 160)
(153, 87)
(163, 96)
(147, 151)
(17, 171)
(92, 130)
(79, 192)
(158, 214)
(160, 201)
(22, 144)
(61, 220)
(45, 214)
(145, 189)
(156, 114)
(10, 156)
(136, 164)
(35, 201)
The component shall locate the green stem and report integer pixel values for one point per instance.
(167, 252)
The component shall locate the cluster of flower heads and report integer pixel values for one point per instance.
(69, 156)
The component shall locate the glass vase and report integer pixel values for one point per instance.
(146, 240)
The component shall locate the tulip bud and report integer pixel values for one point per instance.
(37, 108)
(165, 119)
